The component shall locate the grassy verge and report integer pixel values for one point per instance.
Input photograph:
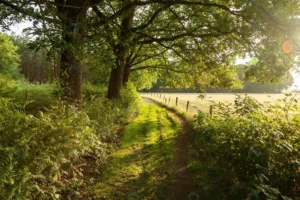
(140, 168)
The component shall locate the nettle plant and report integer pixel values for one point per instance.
(256, 146)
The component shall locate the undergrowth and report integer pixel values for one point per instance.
(46, 144)
(249, 150)
(28, 97)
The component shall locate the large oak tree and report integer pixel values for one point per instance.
(188, 36)
(196, 39)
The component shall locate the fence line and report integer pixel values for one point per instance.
(189, 107)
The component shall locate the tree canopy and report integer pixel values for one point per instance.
(184, 42)
(9, 58)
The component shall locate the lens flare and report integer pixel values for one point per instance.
(287, 46)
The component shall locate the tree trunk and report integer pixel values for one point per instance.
(74, 17)
(71, 78)
(115, 82)
(121, 52)
(126, 72)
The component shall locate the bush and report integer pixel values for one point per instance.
(90, 91)
(107, 115)
(35, 152)
(39, 154)
(250, 150)
(9, 58)
(28, 96)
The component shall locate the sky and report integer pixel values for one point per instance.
(18, 29)
(296, 82)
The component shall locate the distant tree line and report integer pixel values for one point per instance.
(248, 87)
(35, 66)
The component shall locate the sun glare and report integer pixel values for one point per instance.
(287, 46)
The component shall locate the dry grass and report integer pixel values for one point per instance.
(204, 104)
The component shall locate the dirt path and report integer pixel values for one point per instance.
(152, 160)
(183, 186)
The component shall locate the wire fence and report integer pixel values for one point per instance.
(191, 107)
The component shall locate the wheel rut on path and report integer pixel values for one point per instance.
(182, 184)
(152, 160)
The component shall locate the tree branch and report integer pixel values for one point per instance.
(95, 2)
(158, 67)
(26, 12)
(148, 23)
(183, 2)
(114, 16)
(98, 12)
(136, 54)
(187, 34)
(149, 57)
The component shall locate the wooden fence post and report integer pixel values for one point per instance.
(176, 101)
(211, 110)
(160, 96)
(187, 106)
(169, 100)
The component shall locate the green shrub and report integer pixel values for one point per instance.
(35, 152)
(39, 153)
(109, 114)
(90, 91)
(31, 97)
(249, 150)
(9, 58)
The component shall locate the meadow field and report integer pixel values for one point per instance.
(195, 103)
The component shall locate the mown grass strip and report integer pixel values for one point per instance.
(140, 168)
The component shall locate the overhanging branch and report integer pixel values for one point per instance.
(27, 12)
(148, 23)
(148, 58)
(187, 34)
(158, 67)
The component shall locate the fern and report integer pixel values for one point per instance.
(39, 146)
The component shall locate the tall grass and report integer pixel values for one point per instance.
(44, 140)
(28, 96)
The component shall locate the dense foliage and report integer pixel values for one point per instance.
(44, 141)
(36, 66)
(249, 150)
(27, 96)
(9, 58)
(186, 43)
(56, 136)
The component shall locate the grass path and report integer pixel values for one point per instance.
(143, 166)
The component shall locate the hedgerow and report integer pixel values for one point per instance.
(249, 150)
